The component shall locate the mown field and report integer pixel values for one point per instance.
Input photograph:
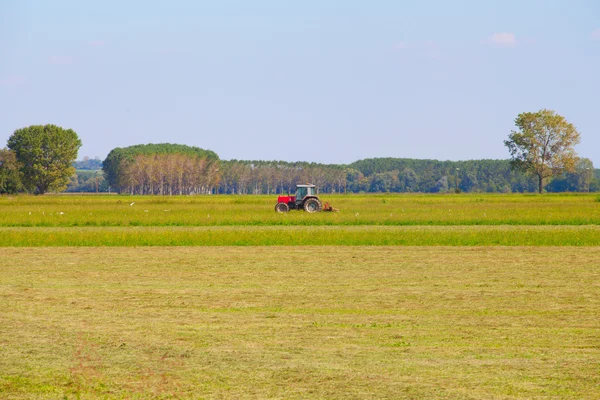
(395, 296)
(300, 322)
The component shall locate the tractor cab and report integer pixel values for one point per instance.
(304, 190)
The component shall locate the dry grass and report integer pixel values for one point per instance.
(300, 322)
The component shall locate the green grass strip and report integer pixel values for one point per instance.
(304, 236)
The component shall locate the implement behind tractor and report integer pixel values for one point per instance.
(305, 199)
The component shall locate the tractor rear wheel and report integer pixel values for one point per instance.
(313, 205)
(282, 208)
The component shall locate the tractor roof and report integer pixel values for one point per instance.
(305, 185)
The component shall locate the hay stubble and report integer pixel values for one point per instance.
(298, 322)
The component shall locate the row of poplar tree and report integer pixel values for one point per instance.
(162, 169)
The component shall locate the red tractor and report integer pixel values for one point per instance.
(305, 199)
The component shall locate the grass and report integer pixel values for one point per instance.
(356, 210)
(134, 297)
(303, 236)
(300, 322)
(417, 220)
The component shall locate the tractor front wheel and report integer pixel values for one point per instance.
(313, 205)
(282, 208)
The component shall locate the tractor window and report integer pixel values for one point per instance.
(311, 191)
(300, 193)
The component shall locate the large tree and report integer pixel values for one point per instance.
(543, 145)
(46, 154)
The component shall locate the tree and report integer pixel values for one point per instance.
(46, 154)
(583, 175)
(162, 168)
(10, 179)
(579, 180)
(543, 146)
(409, 180)
(441, 185)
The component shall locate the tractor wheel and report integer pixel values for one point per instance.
(313, 205)
(282, 208)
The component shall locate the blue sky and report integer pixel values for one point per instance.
(322, 81)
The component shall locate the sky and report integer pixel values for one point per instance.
(316, 80)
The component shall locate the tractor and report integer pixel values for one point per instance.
(305, 199)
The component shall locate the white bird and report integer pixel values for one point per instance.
(356, 215)
(61, 213)
(145, 210)
(29, 212)
(132, 203)
(167, 210)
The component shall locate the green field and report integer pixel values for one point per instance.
(505, 235)
(224, 210)
(395, 296)
(417, 220)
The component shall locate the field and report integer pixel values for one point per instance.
(250, 220)
(220, 297)
(356, 210)
(300, 322)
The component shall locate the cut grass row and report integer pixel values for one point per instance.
(356, 210)
(304, 236)
(300, 322)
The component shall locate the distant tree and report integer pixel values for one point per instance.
(583, 175)
(379, 183)
(580, 180)
(162, 169)
(88, 181)
(469, 181)
(409, 180)
(46, 154)
(10, 179)
(441, 185)
(543, 145)
(595, 182)
(88, 164)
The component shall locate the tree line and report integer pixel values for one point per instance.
(41, 158)
(398, 175)
(376, 175)
(271, 177)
